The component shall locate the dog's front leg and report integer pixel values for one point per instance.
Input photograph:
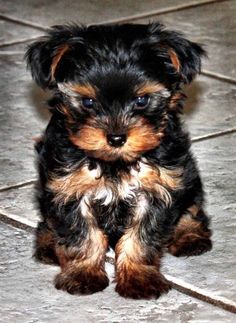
(138, 254)
(82, 263)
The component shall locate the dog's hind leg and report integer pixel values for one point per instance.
(45, 245)
(192, 234)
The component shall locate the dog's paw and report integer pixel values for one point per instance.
(82, 282)
(143, 285)
(190, 245)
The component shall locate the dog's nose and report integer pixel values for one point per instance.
(116, 140)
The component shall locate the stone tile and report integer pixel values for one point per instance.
(10, 32)
(214, 270)
(210, 106)
(49, 13)
(213, 25)
(22, 117)
(28, 295)
(20, 204)
(16, 49)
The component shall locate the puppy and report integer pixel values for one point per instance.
(115, 166)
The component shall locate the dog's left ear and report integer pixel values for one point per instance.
(183, 55)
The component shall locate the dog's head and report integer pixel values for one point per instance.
(115, 85)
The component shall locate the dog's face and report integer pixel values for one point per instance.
(115, 86)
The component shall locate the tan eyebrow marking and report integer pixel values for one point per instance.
(86, 90)
(148, 88)
(60, 52)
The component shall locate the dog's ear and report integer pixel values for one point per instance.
(45, 56)
(181, 54)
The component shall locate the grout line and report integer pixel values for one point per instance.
(12, 52)
(159, 12)
(23, 22)
(17, 221)
(151, 13)
(19, 41)
(18, 185)
(193, 291)
(214, 135)
(218, 76)
(202, 294)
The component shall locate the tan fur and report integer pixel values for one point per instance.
(85, 90)
(194, 209)
(89, 138)
(190, 237)
(160, 180)
(129, 248)
(137, 271)
(175, 99)
(60, 52)
(86, 182)
(92, 253)
(140, 138)
(148, 88)
(45, 239)
(188, 224)
(75, 184)
(174, 58)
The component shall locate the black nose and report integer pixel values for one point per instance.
(116, 140)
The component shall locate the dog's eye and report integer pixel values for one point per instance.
(141, 101)
(88, 103)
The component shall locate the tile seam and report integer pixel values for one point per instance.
(151, 13)
(219, 77)
(18, 41)
(202, 294)
(17, 221)
(23, 22)
(196, 292)
(163, 11)
(214, 135)
(17, 185)
(176, 283)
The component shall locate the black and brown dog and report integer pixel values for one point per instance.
(115, 165)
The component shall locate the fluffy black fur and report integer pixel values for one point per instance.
(115, 60)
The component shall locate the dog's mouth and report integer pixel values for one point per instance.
(138, 139)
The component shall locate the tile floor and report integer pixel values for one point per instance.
(27, 294)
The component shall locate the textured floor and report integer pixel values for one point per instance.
(26, 290)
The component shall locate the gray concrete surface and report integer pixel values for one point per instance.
(213, 25)
(47, 13)
(27, 295)
(26, 290)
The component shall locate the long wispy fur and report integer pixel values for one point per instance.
(115, 165)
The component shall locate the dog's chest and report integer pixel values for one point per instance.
(96, 186)
(155, 181)
(123, 186)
